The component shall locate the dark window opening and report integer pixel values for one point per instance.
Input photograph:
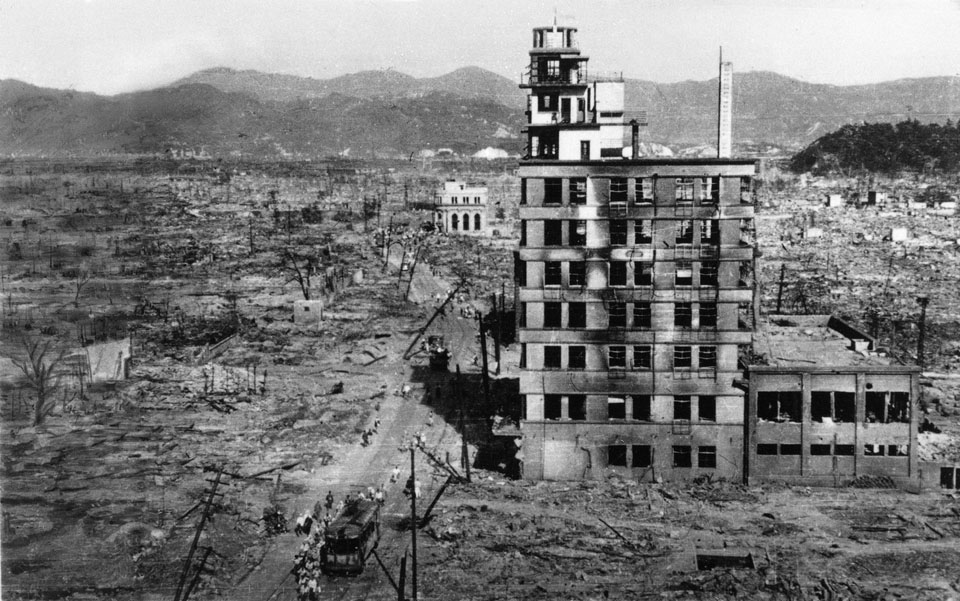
(523, 315)
(618, 232)
(710, 190)
(681, 407)
(949, 477)
(684, 275)
(707, 407)
(779, 406)
(644, 190)
(523, 233)
(887, 407)
(682, 456)
(552, 273)
(551, 357)
(642, 315)
(643, 357)
(642, 274)
(843, 449)
(553, 232)
(641, 407)
(617, 357)
(820, 449)
(790, 449)
(616, 407)
(682, 357)
(710, 232)
(684, 188)
(618, 273)
(618, 315)
(523, 355)
(578, 273)
(617, 455)
(766, 449)
(578, 357)
(642, 231)
(551, 406)
(618, 189)
(683, 315)
(578, 233)
(578, 407)
(523, 191)
(707, 457)
(642, 456)
(832, 406)
(521, 273)
(578, 315)
(685, 231)
(873, 450)
(897, 450)
(708, 315)
(578, 191)
(551, 315)
(709, 273)
(552, 191)
(548, 102)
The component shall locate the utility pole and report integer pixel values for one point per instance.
(413, 520)
(924, 301)
(483, 354)
(783, 271)
(464, 449)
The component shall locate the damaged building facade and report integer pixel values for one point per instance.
(638, 310)
(461, 208)
(635, 283)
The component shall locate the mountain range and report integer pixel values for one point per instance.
(387, 113)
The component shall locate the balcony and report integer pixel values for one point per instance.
(536, 77)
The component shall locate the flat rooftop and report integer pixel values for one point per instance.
(815, 342)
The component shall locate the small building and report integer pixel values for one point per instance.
(835, 201)
(461, 208)
(307, 312)
(825, 409)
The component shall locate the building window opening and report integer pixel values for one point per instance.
(617, 455)
(476, 222)
(642, 315)
(710, 232)
(523, 191)
(681, 407)
(897, 450)
(578, 233)
(643, 357)
(455, 222)
(642, 456)
(578, 357)
(552, 191)
(618, 189)
(466, 222)
(766, 449)
(684, 189)
(873, 450)
(453, 200)
(708, 315)
(617, 357)
(707, 457)
(949, 477)
(523, 355)
(828, 406)
(643, 231)
(790, 449)
(547, 102)
(684, 276)
(577, 315)
(523, 234)
(552, 404)
(642, 273)
(618, 232)
(618, 273)
(552, 273)
(683, 315)
(551, 357)
(641, 407)
(820, 449)
(682, 456)
(843, 450)
(578, 191)
(708, 273)
(710, 190)
(644, 190)
(553, 232)
(551, 315)
(685, 231)
(578, 407)
(887, 407)
(779, 406)
(617, 315)
(616, 407)
(707, 408)
(682, 357)
(578, 273)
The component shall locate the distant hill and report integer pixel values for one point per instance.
(391, 113)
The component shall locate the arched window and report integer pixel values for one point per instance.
(466, 221)
(454, 220)
(476, 221)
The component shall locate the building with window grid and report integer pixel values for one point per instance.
(636, 288)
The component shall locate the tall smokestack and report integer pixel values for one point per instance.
(635, 137)
(725, 121)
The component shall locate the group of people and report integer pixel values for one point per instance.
(369, 432)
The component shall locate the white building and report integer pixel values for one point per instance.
(461, 208)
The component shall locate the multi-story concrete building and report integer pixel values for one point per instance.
(635, 278)
(461, 208)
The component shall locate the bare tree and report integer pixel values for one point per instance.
(40, 369)
(300, 268)
(81, 279)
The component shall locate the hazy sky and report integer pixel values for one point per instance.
(112, 46)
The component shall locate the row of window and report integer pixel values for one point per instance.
(640, 455)
(455, 222)
(840, 450)
(617, 315)
(618, 273)
(631, 407)
(683, 231)
(686, 189)
(641, 357)
(834, 406)
(466, 200)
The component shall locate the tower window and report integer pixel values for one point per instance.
(578, 357)
(551, 315)
(616, 407)
(577, 315)
(683, 315)
(708, 273)
(685, 231)
(643, 357)
(618, 232)
(618, 315)
(618, 189)
(552, 273)
(552, 191)
(617, 455)
(681, 456)
(642, 315)
(681, 407)
(706, 457)
(618, 273)
(708, 357)
(551, 357)
(578, 233)
(578, 273)
(644, 190)
(617, 357)
(684, 188)
(708, 315)
(707, 408)
(552, 404)
(684, 274)
(682, 357)
(553, 232)
(641, 407)
(578, 190)
(642, 274)
(643, 231)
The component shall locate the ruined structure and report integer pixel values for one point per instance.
(635, 278)
(461, 208)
